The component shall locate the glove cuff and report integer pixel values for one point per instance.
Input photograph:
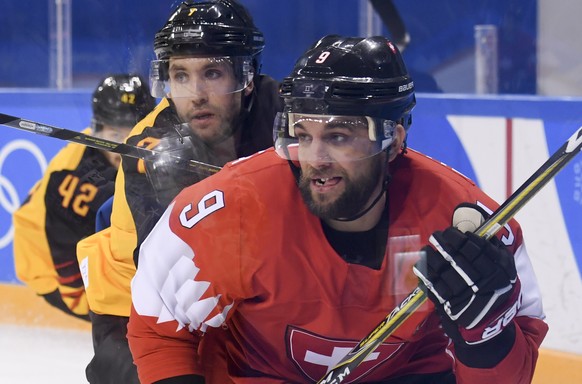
(487, 354)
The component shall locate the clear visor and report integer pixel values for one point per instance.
(197, 76)
(307, 137)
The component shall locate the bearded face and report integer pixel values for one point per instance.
(333, 191)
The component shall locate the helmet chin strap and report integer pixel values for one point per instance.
(383, 190)
(376, 200)
(246, 103)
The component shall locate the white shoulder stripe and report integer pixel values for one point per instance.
(164, 286)
(532, 303)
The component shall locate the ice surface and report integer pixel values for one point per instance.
(31, 355)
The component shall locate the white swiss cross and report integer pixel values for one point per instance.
(337, 354)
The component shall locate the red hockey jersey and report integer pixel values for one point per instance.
(238, 282)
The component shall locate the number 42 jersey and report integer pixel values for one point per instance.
(59, 211)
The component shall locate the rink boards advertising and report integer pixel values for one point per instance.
(496, 141)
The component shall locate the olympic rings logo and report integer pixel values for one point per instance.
(9, 199)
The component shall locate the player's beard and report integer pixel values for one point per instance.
(226, 118)
(354, 199)
(223, 130)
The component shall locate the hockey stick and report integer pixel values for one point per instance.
(489, 228)
(98, 143)
(393, 21)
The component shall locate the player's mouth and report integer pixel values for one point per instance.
(202, 116)
(322, 184)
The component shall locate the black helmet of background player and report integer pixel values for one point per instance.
(348, 76)
(216, 29)
(121, 101)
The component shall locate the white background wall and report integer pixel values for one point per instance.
(559, 47)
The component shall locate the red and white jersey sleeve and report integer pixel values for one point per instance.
(237, 280)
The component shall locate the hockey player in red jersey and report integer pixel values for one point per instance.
(273, 269)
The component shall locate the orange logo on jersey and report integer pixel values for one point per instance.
(148, 143)
(75, 196)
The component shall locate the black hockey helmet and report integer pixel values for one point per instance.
(209, 28)
(350, 76)
(121, 100)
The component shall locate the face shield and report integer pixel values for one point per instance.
(190, 77)
(332, 138)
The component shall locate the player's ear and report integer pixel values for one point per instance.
(399, 137)
(249, 89)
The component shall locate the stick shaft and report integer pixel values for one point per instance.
(95, 142)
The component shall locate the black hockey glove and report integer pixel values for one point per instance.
(473, 282)
(169, 173)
